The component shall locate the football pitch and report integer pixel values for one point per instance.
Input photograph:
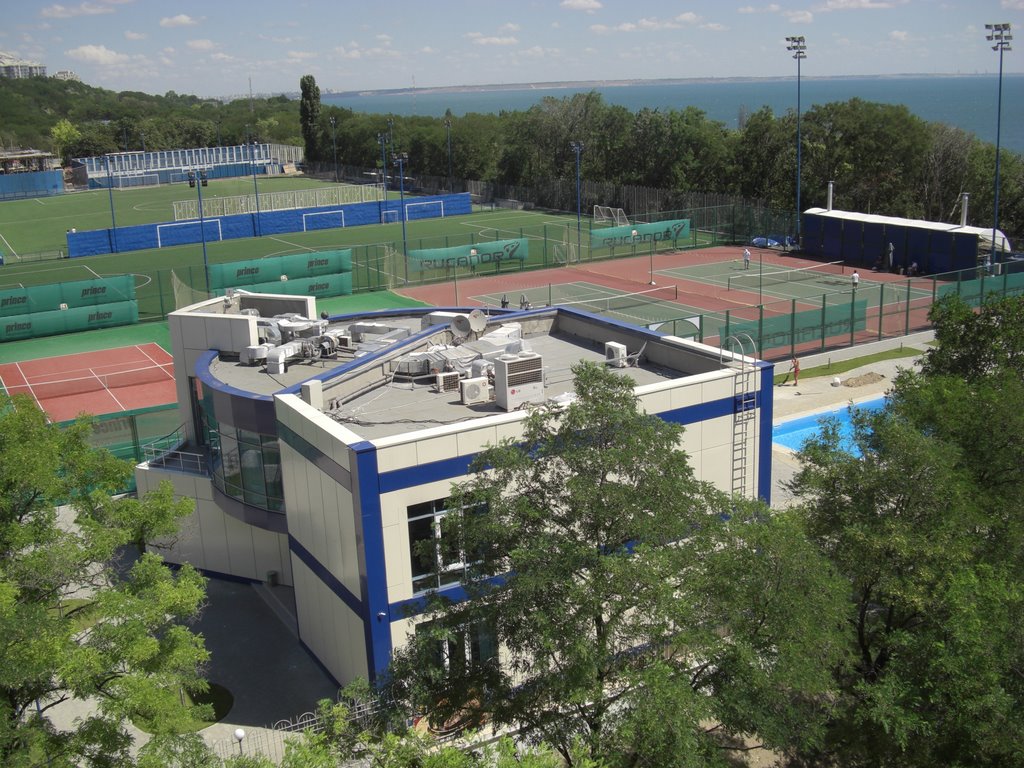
(33, 231)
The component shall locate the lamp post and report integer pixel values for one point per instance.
(400, 159)
(382, 140)
(999, 35)
(239, 735)
(799, 49)
(334, 144)
(198, 180)
(113, 221)
(391, 134)
(255, 187)
(448, 135)
(142, 136)
(577, 147)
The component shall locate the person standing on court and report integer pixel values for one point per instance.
(746, 258)
(855, 279)
(796, 371)
(889, 262)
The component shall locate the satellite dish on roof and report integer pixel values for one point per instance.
(477, 321)
(461, 326)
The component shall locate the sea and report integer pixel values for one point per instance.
(970, 102)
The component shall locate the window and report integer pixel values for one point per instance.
(463, 646)
(436, 561)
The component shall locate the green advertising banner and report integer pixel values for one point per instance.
(323, 285)
(237, 274)
(636, 234)
(493, 252)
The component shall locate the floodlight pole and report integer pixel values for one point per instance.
(448, 133)
(391, 134)
(401, 158)
(799, 48)
(113, 221)
(382, 139)
(200, 178)
(142, 136)
(334, 144)
(255, 187)
(577, 147)
(1000, 35)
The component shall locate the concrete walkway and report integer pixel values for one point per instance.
(820, 394)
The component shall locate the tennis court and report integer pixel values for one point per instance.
(100, 382)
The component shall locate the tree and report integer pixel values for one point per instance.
(633, 604)
(75, 622)
(64, 136)
(309, 116)
(926, 528)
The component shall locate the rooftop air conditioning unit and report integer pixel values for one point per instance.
(475, 391)
(615, 354)
(518, 379)
(447, 381)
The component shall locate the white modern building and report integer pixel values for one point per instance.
(321, 450)
(14, 68)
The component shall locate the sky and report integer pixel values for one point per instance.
(217, 47)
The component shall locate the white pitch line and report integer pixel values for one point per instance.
(13, 252)
(294, 245)
(86, 266)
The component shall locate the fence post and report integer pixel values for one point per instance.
(823, 309)
(906, 324)
(792, 328)
(760, 330)
(881, 308)
(853, 315)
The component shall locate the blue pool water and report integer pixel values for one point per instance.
(794, 433)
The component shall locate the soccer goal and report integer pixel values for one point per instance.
(566, 251)
(388, 216)
(430, 209)
(184, 294)
(607, 216)
(178, 236)
(134, 180)
(323, 220)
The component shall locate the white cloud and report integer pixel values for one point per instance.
(479, 38)
(302, 55)
(167, 62)
(714, 27)
(129, 35)
(181, 20)
(97, 54)
(799, 17)
(687, 18)
(536, 52)
(581, 5)
(1013, 5)
(428, 49)
(82, 9)
(770, 8)
(221, 57)
(386, 39)
(857, 5)
(899, 36)
(509, 27)
(747, 9)
(202, 44)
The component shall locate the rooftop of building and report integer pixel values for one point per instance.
(400, 371)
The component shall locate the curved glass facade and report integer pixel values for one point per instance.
(245, 465)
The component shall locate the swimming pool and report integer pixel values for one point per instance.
(794, 433)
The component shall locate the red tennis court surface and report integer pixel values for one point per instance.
(107, 381)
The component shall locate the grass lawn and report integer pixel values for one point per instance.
(848, 365)
(217, 697)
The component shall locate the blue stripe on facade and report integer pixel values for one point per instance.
(766, 402)
(457, 466)
(378, 625)
(329, 580)
(315, 456)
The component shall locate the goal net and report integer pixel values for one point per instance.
(131, 181)
(565, 252)
(607, 216)
(184, 294)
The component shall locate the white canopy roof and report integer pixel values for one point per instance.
(984, 235)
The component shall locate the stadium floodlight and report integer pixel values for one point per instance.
(798, 46)
(448, 135)
(251, 141)
(110, 191)
(577, 147)
(999, 35)
(334, 142)
(400, 159)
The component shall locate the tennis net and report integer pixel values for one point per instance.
(832, 271)
(624, 300)
(95, 382)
